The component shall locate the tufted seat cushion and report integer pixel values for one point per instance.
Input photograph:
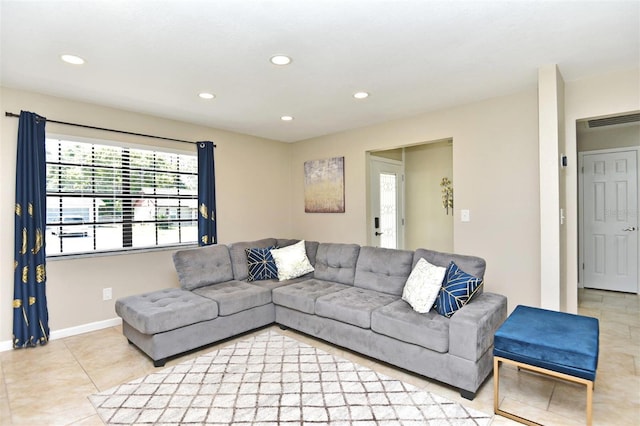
(165, 310)
(302, 296)
(399, 321)
(235, 296)
(353, 305)
(274, 283)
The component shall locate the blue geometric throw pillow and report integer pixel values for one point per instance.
(457, 290)
(261, 264)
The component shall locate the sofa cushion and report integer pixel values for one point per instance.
(203, 266)
(239, 256)
(457, 290)
(165, 310)
(399, 321)
(383, 269)
(471, 264)
(235, 296)
(302, 296)
(260, 264)
(423, 286)
(311, 247)
(352, 305)
(271, 284)
(291, 261)
(336, 262)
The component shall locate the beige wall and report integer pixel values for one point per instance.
(609, 137)
(602, 95)
(426, 221)
(495, 173)
(253, 180)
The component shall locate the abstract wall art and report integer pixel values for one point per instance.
(324, 185)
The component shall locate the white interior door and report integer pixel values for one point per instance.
(387, 199)
(610, 221)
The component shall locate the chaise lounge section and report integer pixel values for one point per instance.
(353, 298)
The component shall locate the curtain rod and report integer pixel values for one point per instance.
(124, 132)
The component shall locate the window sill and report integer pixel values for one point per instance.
(71, 256)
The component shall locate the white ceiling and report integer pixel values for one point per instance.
(412, 56)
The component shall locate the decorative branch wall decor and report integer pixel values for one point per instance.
(447, 194)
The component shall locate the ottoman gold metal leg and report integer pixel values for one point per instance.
(589, 403)
(496, 391)
(496, 394)
(496, 384)
(496, 380)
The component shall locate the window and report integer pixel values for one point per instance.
(104, 198)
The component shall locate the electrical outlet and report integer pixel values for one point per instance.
(107, 293)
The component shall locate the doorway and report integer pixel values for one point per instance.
(608, 205)
(425, 222)
(387, 202)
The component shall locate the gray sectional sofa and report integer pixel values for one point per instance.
(351, 299)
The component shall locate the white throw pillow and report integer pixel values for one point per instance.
(423, 285)
(292, 261)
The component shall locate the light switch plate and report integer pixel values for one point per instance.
(465, 215)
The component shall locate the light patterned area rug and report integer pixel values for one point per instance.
(269, 380)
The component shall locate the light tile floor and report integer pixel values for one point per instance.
(49, 385)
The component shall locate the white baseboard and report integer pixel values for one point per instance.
(72, 331)
(6, 345)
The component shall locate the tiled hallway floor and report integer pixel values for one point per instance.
(49, 385)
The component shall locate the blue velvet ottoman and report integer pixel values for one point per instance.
(554, 343)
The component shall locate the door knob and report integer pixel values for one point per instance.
(631, 228)
(378, 233)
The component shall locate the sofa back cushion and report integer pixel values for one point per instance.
(203, 266)
(310, 246)
(239, 256)
(470, 264)
(336, 262)
(382, 269)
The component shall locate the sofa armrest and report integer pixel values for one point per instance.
(472, 327)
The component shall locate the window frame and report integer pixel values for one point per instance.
(127, 223)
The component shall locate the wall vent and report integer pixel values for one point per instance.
(611, 121)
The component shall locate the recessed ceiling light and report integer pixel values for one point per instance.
(280, 60)
(286, 118)
(361, 95)
(205, 95)
(72, 59)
